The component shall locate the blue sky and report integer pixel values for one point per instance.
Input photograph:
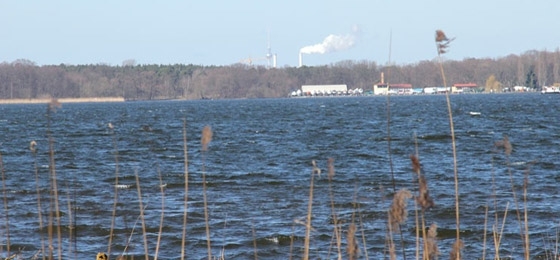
(211, 32)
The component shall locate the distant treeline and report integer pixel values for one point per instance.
(24, 79)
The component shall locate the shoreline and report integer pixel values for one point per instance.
(61, 100)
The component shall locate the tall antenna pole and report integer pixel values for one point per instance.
(268, 52)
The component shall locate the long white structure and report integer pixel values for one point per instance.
(324, 88)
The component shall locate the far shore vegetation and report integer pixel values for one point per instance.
(25, 80)
(61, 100)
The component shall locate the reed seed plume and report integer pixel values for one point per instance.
(316, 170)
(206, 137)
(504, 144)
(442, 42)
(415, 164)
(54, 105)
(423, 199)
(440, 36)
(431, 242)
(352, 246)
(330, 163)
(33, 146)
(398, 212)
(101, 256)
(455, 253)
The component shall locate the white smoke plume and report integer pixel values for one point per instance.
(330, 44)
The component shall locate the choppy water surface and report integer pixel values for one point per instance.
(258, 169)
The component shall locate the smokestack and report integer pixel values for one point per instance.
(274, 61)
(382, 78)
(300, 59)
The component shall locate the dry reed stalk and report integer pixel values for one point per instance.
(143, 221)
(6, 209)
(331, 172)
(331, 244)
(162, 189)
(205, 140)
(185, 211)
(363, 233)
(314, 171)
(131, 233)
(223, 250)
(526, 218)
(417, 225)
(556, 244)
(389, 153)
(392, 252)
(442, 43)
(506, 145)
(484, 235)
(116, 190)
(498, 235)
(50, 229)
(33, 149)
(292, 242)
(352, 245)
(53, 105)
(494, 196)
(389, 240)
(254, 240)
(71, 227)
(424, 236)
(416, 168)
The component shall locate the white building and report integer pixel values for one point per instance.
(323, 89)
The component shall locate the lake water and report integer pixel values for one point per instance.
(258, 169)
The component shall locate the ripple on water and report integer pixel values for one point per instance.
(258, 168)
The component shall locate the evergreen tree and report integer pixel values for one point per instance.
(531, 79)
